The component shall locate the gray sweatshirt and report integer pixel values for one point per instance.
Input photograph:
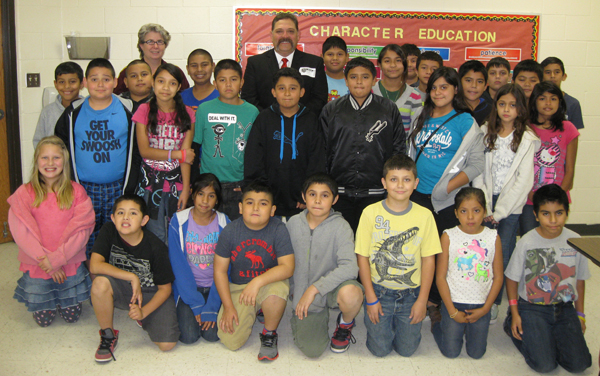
(324, 258)
(47, 121)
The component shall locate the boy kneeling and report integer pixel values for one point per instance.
(258, 249)
(326, 270)
(548, 276)
(132, 268)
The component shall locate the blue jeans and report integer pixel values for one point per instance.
(449, 334)
(394, 330)
(551, 336)
(507, 230)
(160, 225)
(527, 221)
(190, 330)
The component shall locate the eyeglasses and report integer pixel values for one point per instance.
(151, 42)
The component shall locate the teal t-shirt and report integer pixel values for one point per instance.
(441, 148)
(222, 130)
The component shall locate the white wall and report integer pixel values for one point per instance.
(570, 31)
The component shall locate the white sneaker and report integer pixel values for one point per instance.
(494, 315)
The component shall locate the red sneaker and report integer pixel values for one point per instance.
(108, 344)
(340, 341)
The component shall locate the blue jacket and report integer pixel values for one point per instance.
(184, 286)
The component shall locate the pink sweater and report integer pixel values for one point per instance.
(46, 230)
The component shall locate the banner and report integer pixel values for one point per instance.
(457, 37)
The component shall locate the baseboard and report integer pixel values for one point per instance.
(584, 230)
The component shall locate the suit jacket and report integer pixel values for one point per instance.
(258, 80)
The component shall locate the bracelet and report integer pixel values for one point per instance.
(582, 319)
(182, 155)
(581, 314)
(512, 302)
(454, 315)
(170, 155)
(372, 304)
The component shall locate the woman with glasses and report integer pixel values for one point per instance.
(153, 40)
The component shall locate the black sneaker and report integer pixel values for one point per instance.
(108, 344)
(260, 316)
(268, 347)
(342, 336)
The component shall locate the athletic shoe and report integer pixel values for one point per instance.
(494, 314)
(342, 336)
(108, 344)
(139, 323)
(268, 347)
(260, 316)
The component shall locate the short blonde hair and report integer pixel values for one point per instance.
(63, 187)
(152, 27)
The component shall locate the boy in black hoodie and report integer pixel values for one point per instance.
(285, 144)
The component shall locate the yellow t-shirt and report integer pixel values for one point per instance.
(395, 242)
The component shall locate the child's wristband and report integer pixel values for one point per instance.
(512, 302)
(170, 155)
(581, 316)
(372, 304)
(454, 315)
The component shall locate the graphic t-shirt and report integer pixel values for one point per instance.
(336, 88)
(395, 242)
(253, 252)
(470, 265)
(200, 244)
(101, 142)
(441, 148)
(547, 270)
(149, 260)
(167, 137)
(222, 129)
(502, 159)
(549, 161)
(189, 100)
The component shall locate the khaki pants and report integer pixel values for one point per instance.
(247, 314)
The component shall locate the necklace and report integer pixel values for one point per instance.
(391, 95)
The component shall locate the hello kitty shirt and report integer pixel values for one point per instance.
(470, 265)
(549, 160)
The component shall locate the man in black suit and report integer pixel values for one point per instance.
(258, 78)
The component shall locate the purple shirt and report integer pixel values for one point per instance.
(200, 244)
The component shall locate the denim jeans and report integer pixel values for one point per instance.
(507, 230)
(551, 336)
(160, 225)
(394, 330)
(449, 334)
(527, 221)
(231, 199)
(190, 330)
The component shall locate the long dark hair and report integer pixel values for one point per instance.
(559, 115)
(458, 102)
(398, 51)
(182, 118)
(207, 180)
(495, 124)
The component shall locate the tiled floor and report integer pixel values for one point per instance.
(68, 349)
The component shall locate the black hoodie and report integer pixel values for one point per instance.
(284, 162)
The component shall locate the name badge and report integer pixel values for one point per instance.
(307, 71)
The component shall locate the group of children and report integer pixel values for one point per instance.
(309, 206)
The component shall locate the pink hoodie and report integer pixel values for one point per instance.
(71, 227)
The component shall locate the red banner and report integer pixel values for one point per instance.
(457, 37)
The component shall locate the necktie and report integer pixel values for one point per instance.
(284, 62)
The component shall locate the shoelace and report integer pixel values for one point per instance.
(105, 344)
(344, 333)
(268, 340)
